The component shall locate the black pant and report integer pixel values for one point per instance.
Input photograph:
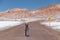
(26, 30)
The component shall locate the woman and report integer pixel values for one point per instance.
(26, 30)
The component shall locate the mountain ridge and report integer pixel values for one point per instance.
(44, 12)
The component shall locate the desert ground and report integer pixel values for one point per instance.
(37, 31)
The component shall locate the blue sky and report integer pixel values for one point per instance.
(29, 4)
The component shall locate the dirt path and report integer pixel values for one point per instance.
(36, 32)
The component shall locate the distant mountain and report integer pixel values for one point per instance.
(48, 11)
(14, 13)
(43, 12)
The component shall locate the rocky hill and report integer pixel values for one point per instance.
(43, 12)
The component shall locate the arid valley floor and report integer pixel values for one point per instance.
(36, 32)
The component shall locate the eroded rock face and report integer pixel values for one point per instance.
(48, 11)
(44, 12)
(14, 13)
